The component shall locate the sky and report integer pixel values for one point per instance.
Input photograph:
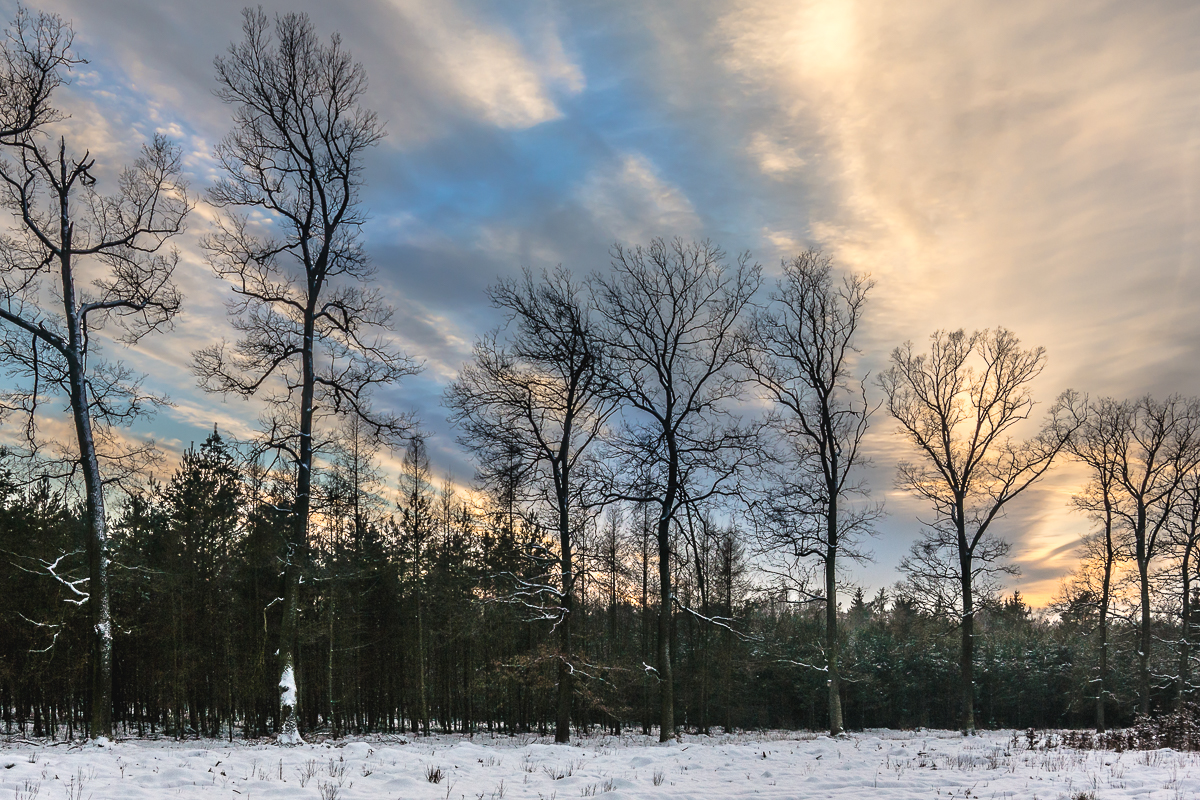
(1031, 164)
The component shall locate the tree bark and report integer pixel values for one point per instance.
(297, 546)
(97, 556)
(1102, 678)
(665, 679)
(645, 619)
(562, 728)
(966, 664)
(831, 629)
(1185, 667)
(1143, 563)
(97, 540)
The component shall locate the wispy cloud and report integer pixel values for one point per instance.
(486, 67)
(631, 202)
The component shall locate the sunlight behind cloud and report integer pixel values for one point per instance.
(972, 157)
(987, 169)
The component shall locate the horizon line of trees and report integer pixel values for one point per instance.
(408, 623)
(643, 550)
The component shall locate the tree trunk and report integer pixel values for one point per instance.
(1102, 631)
(645, 619)
(1185, 667)
(966, 664)
(562, 727)
(665, 679)
(288, 732)
(831, 627)
(297, 546)
(97, 541)
(333, 725)
(1144, 640)
(1105, 599)
(422, 698)
(97, 555)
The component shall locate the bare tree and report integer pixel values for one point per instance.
(312, 337)
(539, 394)
(33, 55)
(1095, 445)
(1155, 447)
(672, 314)
(1184, 533)
(801, 354)
(79, 266)
(958, 406)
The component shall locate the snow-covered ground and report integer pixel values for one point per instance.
(877, 765)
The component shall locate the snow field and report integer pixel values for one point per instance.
(881, 765)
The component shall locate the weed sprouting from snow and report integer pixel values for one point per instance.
(28, 790)
(560, 772)
(434, 774)
(77, 782)
(306, 772)
(337, 770)
(659, 777)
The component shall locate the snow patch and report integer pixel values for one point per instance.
(287, 687)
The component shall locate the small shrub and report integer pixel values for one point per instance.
(307, 772)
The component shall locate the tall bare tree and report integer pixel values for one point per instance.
(802, 355)
(1155, 447)
(1095, 445)
(672, 315)
(77, 267)
(539, 393)
(958, 406)
(312, 337)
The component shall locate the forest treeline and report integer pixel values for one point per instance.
(670, 496)
(401, 629)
